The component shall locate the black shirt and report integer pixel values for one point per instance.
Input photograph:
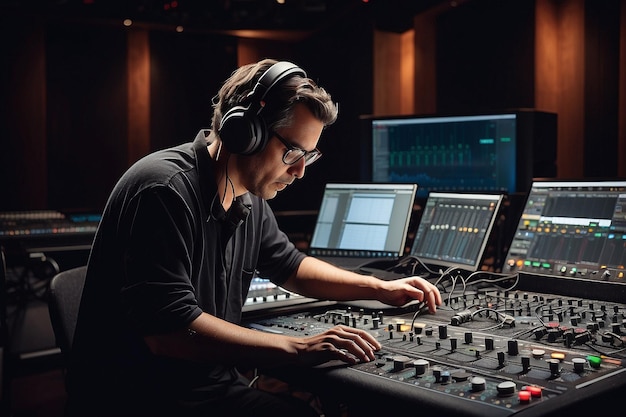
(164, 252)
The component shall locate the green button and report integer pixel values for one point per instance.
(594, 361)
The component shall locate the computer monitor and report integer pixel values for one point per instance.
(572, 230)
(361, 222)
(497, 152)
(455, 228)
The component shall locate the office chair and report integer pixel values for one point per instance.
(5, 382)
(64, 296)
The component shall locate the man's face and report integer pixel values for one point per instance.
(264, 174)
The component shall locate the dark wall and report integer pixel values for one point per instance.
(23, 159)
(63, 133)
(85, 112)
(340, 60)
(64, 136)
(186, 71)
(601, 88)
(485, 57)
(486, 61)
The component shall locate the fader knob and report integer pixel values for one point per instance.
(500, 359)
(489, 343)
(437, 373)
(443, 332)
(554, 366)
(453, 344)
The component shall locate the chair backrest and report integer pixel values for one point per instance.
(64, 296)
(5, 383)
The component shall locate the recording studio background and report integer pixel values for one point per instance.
(83, 96)
(89, 86)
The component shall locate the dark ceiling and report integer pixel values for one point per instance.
(309, 15)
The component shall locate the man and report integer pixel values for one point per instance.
(181, 236)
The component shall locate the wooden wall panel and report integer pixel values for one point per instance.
(425, 64)
(387, 88)
(547, 91)
(571, 87)
(138, 73)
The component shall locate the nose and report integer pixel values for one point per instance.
(297, 169)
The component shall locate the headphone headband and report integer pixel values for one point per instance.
(274, 75)
(243, 130)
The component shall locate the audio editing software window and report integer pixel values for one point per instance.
(363, 219)
(572, 228)
(456, 153)
(454, 228)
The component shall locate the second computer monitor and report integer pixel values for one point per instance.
(455, 228)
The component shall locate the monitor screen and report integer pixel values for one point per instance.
(572, 229)
(363, 220)
(454, 229)
(486, 153)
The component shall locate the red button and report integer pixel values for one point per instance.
(524, 396)
(534, 391)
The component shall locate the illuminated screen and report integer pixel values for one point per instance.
(487, 153)
(572, 229)
(454, 228)
(447, 153)
(363, 220)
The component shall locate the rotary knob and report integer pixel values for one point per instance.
(579, 365)
(400, 362)
(506, 388)
(421, 365)
(478, 384)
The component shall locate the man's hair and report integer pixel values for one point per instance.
(279, 100)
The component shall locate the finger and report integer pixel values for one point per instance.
(345, 356)
(371, 340)
(431, 294)
(346, 338)
(434, 299)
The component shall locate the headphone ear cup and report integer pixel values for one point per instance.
(241, 133)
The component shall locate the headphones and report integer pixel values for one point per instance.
(243, 129)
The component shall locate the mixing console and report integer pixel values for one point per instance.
(26, 232)
(264, 294)
(487, 352)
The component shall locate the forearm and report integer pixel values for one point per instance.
(212, 340)
(321, 280)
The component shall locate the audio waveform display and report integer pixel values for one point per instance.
(460, 153)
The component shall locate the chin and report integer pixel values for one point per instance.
(268, 194)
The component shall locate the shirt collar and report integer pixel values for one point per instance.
(206, 166)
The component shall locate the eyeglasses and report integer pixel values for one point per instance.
(293, 154)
